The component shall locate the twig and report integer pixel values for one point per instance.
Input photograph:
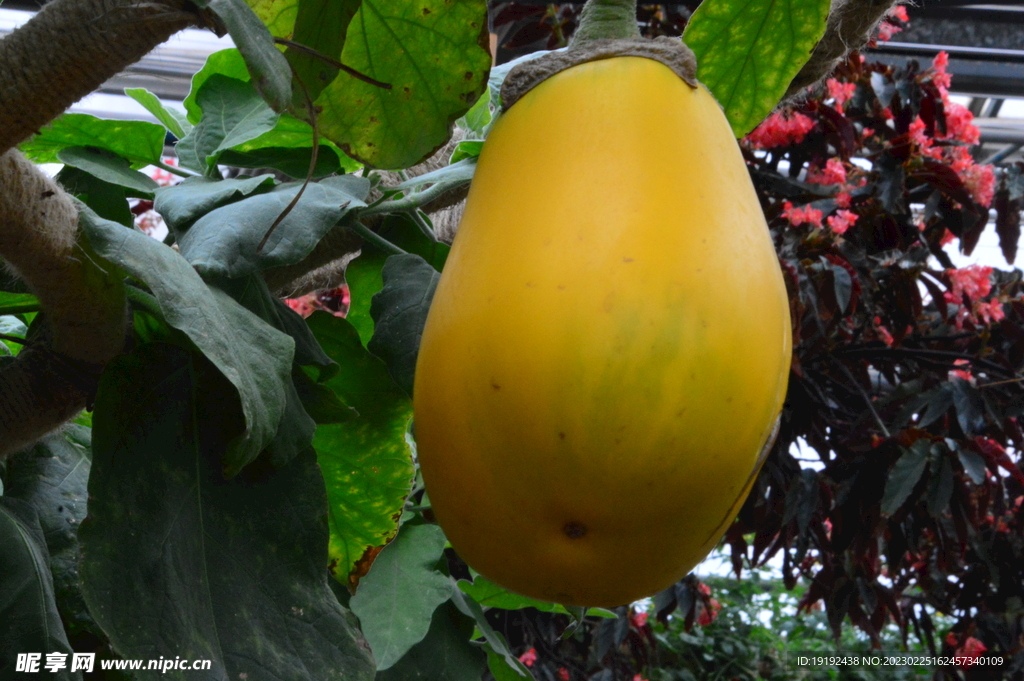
(867, 398)
(13, 339)
(333, 62)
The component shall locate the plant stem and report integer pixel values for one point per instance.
(606, 20)
(374, 238)
(417, 217)
(180, 172)
(411, 201)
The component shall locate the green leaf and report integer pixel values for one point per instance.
(29, 621)
(321, 403)
(241, 561)
(749, 51)
(140, 142)
(17, 303)
(173, 120)
(293, 162)
(51, 477)
(224, 242)
(363, 274)
(904, 476)
(396, 599)
(293, 133)
(109, 167)
(108, 200)
(366, 462)
(11, 326)
(435, 56)
(973, 463)
(228, 63)
(479, 116)
(185, 202)
(399, 311)
(467, 150)
(270, 71)
(970, 409)
(321, 26)
(233, 113)
(255, 357)
(490, 595)
(496, 643)
(445, 654)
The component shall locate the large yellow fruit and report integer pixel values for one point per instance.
(608, 348)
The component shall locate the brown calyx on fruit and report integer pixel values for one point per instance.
(672, 52)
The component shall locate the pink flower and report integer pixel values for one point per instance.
(899, 13)
(989, 312)
(639, 619)
(981, 182)
(843, 199)
(883, 333)
(638, 677)
(779, 130)
(939, 76)
(972, 648)
(529, 657)
(886, 31)
(708, 615)
(563, 674)
(867, 132)
(840, 92)
(834, 173)
(973, 281)
(962, 373)
(798, 216)
(960, 124)
(947, 237)
(842, 221)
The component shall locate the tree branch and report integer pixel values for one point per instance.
(69, 49)
(850, 25)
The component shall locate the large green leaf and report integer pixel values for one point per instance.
(187, 201)
(51, 477)
(270, 71)
(748, 51)
(29, 622)
(289, 132)
(107, 199)
(319, 25)
(399, 311)
(140, 142)
(435, 56)
(109, 167)
(254, 356)
(367, 462)
(233, 113)
(396, 599)
(226, 570)
(446, 653)
(293, 162)
(277, 15)
(224, 242)
(172, 119)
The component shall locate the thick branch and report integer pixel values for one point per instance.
(850, 25)
(69, 49)
(85, 306)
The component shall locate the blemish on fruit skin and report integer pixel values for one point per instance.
(561, 287)
(627, 260)
(495, 385)
(561, 436)
(574, 529)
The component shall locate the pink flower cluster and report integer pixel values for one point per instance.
(840, 93)
(801, 215)
(842, 221)
(780, 130)
(968, 285)
(834, 172)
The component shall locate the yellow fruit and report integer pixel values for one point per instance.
(608, 348)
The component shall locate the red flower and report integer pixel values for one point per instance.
(798, 216)
(842, 221)
(563, 674)
(639, 619)
(529, 657)
(833, 173)
(840, 92)
(779, 130)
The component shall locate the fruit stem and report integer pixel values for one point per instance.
(606, 20)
